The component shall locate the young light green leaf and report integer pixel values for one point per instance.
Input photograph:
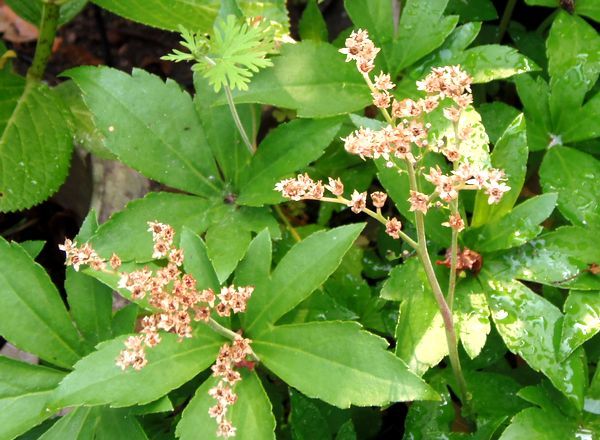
(582, 320)
(303, 269)
(324, 86)
(96, 422)
(126, 232)
(24, 392)
(527, 323)
(339, 363)
(422, 28)
(251, 415)
(90, 305)
(472, 316)
(286, 149)
(197, 262)
(492, 61)
(193, 14)
(312, 25)
(97, 380)
(35, 143)
(577, 186)
(34, 317)
(509, 154)
(151, 125)
(515, 228)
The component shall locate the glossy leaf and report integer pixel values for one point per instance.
(582, 320)
(286, 149)
(325, 86)
(534, 95)
(472, 316)
(251, 414)
(126, 232)
(151, 126)
(496, 116)
(535, 423)
(339, 363)
(493, 61)
(298, 274)
(515, 228)
(96, 380)
(35, 143)
(527, 323)
(192, 14)
(34, 317)
(576, 185)
(24, 392)
(509, 154)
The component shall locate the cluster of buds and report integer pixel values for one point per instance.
(466, 259)
(86, 256)
(361, 49)
(230, 357)
(303, 187)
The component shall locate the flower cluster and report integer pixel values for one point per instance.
(86, 256)
(361, 49)
(230, 357)
(466, 259)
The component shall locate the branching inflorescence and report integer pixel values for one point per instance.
(402, 143)
(177, 301)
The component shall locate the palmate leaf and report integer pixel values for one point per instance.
(236, 51)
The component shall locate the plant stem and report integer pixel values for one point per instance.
(508, 10)
(453, 260)
(225, 332)
(287, 223)
(43, 49)
(439, 297)
(238, 122)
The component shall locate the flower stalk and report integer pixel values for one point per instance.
(43, 49)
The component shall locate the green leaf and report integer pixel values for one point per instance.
(527, 323)
(193, 14)
(302, 270)
(197, 262)
(574, 176)
(90, 305)
(255, 268)
(306, 420)
(474, 10)
(312, 25)
(402, 283)
(420, 336)
(534, 95)
(472, 316)
(339, 363)
(96, 423)
(35, 143)
(496, 116)
(422, 29)
(491, 62)
(509, 154)
(123, 321)
(97, 380)
(126, 232)
(251, 415)
(582, 320)
(34, 317)
(31, 10)
(24, 392)
(286, 149)
(324, 86)
(33, 247)
(226, 243)
(151, 126)
(515, 228)
(536, 423)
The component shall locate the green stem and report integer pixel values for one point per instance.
(508, 10)
(287, 223)
(238, 122)
(225, 332)
(453, 260)
(441, 301)
(43, 49)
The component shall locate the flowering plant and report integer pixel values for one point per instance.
(348, 239)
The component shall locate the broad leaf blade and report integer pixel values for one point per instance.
(251, 415)
(582, 320)
(197, 262)
(34, 317)
(492, 62)
(151, 126)
(303, 269)
(339, 363)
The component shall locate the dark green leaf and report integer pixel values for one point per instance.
(251, 415)
(31, 10)
(255, 268)
(496, 116)
(509, 154)
(339, 363)
(474, 10)
(286, 149)
(97, 380)
(534, 96)
(197, 262)
(312, 25)
(24, 392)
(303, 269)
(33, 315)
(124, 320)
(324, 86)
(582, 320)
(226, 243)
(151, 126)
(574, 176)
